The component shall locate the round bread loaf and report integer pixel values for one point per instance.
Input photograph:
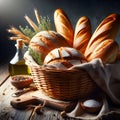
(43, 42)
(106, 50)
(64, 57)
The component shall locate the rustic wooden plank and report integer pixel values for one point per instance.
(6, 95)
(47, 114)
(21, 114)
(6, 110)
(4, 73)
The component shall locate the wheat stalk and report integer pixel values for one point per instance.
(27, 33)
(37, 16)
(32, 24)
(19, 34)
(16, 38)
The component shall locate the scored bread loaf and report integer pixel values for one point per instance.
(107, 29)
(63, 25)
(64, 57)
(107, 50)
(82, 34)
(43, 42)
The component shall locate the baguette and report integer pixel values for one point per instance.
(107, 50)
(82, 34)
(63, 25)
(107, 29)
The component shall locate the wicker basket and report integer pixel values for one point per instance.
(62, 84)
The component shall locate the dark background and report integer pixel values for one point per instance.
(12, 12)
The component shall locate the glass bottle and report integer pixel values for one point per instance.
(17, 65)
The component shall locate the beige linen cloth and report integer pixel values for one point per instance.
(107, 78)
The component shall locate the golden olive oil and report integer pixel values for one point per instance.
(16, 69)
(17, 65)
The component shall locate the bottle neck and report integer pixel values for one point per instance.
(19, 53)
(19, 44)
(19, 56)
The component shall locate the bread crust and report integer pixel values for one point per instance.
(64, 57)
(107, 50)
(82, 34)
(45, 41)
(107, 29)
(63, 25)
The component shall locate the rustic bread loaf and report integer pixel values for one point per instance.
(82, 34)
(107, 29)
(63, 25)
(64, 57)
(43, 42)
(107, 50)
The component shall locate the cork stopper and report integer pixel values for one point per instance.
(19, 43)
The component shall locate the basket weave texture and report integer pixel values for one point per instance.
(62, 84)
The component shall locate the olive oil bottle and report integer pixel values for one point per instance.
(17, 65)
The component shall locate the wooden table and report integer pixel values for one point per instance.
(7, 112)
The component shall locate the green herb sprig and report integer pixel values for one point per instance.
(27, 31)
(45, 23)
(36, 56)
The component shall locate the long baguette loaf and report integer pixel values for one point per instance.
(63, 25)
(107, 29)
(107, 50)
(82, 34)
